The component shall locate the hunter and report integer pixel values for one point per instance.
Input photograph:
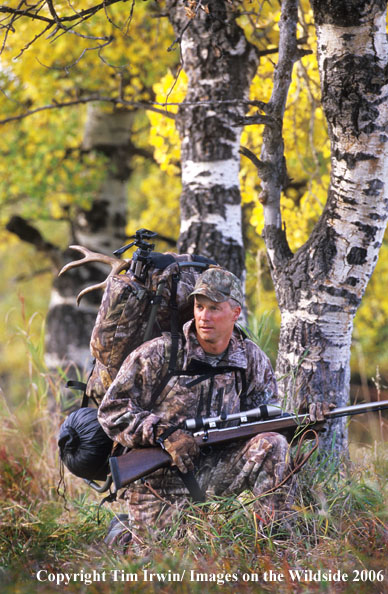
(212, 368)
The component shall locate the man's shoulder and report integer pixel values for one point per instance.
(240, 335)
(254, 353)
(251, 346)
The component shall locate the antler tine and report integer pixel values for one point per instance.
(89, 256)
(92, 288)
(116, 264)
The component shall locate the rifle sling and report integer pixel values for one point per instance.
(192, 486)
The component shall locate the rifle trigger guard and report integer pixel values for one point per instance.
(160, 442)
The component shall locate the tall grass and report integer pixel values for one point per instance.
(338, 521)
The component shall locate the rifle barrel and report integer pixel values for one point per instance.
(142, 461)
(357, 409)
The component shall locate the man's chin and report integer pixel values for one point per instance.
(208, 338)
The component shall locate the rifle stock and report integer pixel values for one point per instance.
(140, 462)
(137, 463)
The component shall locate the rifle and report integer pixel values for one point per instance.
(140, 462)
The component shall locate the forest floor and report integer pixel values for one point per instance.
(334, 540)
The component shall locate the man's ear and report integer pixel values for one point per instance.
(236, 313)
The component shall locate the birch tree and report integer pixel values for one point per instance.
(97, 220)
(320, 287)
(220, 64)
(100, 228)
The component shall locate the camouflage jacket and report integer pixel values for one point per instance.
(128, 413)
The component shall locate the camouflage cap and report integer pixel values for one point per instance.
(219, 285)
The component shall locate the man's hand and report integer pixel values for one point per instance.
(182, 448)
(318, 410)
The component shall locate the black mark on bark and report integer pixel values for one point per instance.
(357, 255)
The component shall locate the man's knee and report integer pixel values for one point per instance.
(265, 445)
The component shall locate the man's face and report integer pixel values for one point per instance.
(214, 322)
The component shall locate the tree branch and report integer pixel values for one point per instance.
(263, 169)
(83, 100)
(26, 232)
(148, 106)
(272, 152)
(55, 18)
(17, 12)
(58, 21)
(54, 14)
(258, 118)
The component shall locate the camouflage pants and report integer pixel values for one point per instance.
(258, 465)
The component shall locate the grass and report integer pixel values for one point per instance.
(338, 525)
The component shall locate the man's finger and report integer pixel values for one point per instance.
(319, 412)
(312, 412)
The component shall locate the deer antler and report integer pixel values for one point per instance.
(89, 256)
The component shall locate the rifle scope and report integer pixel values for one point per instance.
(264, 412)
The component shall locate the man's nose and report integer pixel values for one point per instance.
(205, 314)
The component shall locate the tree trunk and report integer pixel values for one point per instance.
(102, 228)
(320, 287)
(220, 64)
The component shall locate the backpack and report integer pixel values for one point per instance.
(151, 297)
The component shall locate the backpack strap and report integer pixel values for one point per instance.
(198, 262)
(159, 388)
(175, 330)
(204, 371)
(170, 372)
(156, 300)
(161, 261)
(243, 375)
(77, 385)
(243, 390)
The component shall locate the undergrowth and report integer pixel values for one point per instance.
(338, 522)
(337, 525)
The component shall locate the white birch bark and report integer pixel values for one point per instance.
(220, 64)
(320, 287)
